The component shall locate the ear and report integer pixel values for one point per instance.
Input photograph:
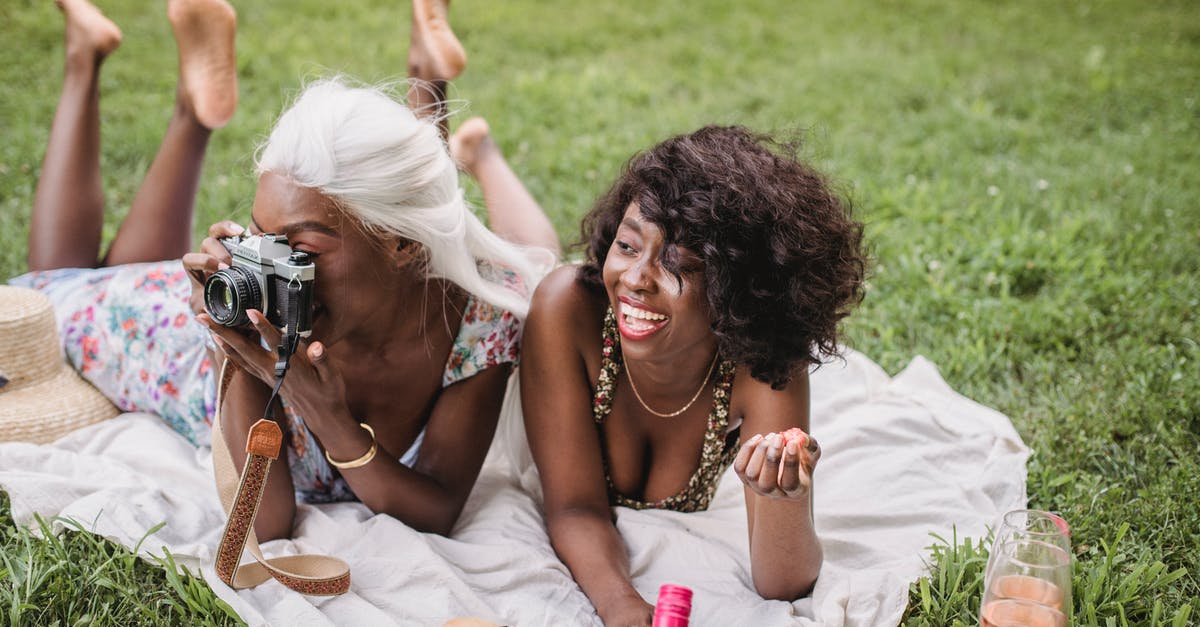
(404, 252)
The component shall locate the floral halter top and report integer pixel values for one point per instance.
(717, 453)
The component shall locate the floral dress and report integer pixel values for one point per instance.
(720, 443)
(130, 331)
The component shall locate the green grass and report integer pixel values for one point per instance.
(76, 578)
(1028, 172)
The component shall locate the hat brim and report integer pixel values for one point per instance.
(48, 410)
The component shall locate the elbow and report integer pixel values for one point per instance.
(797, 583)
(785, 591)
(437, 516)
(440, 522)
(441, 527)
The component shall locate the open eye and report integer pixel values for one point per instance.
(625, 248)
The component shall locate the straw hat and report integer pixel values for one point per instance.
(44, 398)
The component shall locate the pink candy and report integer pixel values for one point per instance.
(795, 434)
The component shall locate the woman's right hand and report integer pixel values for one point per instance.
(632, 611)
(212, 257)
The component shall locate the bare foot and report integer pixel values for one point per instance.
(204, 31)
(471, 143)
(89, 35)
(434, 53)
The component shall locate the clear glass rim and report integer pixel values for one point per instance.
(1061, 527)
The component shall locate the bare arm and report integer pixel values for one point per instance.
(556, 395)
(429, 497)
(785, 554)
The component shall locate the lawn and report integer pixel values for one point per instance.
(1028, 172)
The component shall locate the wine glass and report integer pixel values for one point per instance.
(1030, 524)
(1028, 584)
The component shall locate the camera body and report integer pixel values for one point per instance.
(267, 275)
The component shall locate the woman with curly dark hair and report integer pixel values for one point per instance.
(718, 267)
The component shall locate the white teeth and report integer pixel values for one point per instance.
(629, 311)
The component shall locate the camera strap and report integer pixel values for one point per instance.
(291, 338)
(306, 574)
(287, 345)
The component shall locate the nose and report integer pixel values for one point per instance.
(638, 277)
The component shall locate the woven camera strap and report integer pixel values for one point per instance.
(307, 574)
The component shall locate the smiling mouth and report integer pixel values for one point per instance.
(636, 323)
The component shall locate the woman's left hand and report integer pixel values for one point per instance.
(313, 385)
(771, 467)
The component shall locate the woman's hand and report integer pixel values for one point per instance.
(313, 385)
(776, 467)
(631, 611)
(212, 257)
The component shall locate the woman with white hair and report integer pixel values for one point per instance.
(416, 305)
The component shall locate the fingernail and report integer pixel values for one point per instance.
(793, 448)
(219, 341)
(318, 350)
(237, 228)
(221, 265)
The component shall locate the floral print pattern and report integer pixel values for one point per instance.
(130, 332)
(719, 447)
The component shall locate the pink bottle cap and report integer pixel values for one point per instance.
(674, 606)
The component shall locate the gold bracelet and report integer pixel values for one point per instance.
(361, 461)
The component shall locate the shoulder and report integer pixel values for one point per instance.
(565, 316)
(562, 297)
(764, 409)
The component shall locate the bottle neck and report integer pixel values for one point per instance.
(674, 606)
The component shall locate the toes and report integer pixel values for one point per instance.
(467, 142)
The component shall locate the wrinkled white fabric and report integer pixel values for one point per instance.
(903, 458)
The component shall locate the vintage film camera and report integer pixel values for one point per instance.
(266, 275)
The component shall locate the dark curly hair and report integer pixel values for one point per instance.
(783, 259)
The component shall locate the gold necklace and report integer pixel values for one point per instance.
(695, 396)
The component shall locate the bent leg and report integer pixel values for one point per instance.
(68, 206)
(512, 211)
(435, 57)
(159, 224)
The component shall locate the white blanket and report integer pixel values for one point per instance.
(903, 458)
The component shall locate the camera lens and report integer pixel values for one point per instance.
(229, 293)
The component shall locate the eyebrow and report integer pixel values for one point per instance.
(304, 225)
(632, 223)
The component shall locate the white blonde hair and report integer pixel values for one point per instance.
(391, 170)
